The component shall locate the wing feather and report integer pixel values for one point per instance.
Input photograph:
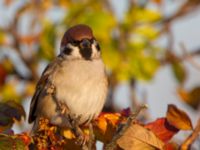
(42, 84)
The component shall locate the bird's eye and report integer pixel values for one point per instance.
(98, 47)
(75, 43)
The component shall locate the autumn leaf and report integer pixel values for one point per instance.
(25, 138)
(162, 129)
(139, 138)
(3, 74)
(9, 111)
(107, 118)
(178, 118)
(171, 146)
(12, 142)
(105, 126)
(159, 2)
(192, 97)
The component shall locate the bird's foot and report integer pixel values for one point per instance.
(82, 139)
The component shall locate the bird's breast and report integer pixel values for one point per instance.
(82, 86)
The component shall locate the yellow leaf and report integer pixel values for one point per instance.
(142, 15)
(146, 15)
(67, 133)
(110, 57)
(30, 88)
(9, 92)
(147, 31)
(2, 37)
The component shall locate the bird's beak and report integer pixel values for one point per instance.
(85, 43)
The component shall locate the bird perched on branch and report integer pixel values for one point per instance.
(74, 85)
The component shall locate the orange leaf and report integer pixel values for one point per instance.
(157, 1)
(178, 118)
(67, 133)
(104, 118)
(105, 126)
(25, 138)
(162, 129)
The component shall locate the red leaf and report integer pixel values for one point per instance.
(171, 146)
(3, 74)
(162, 129)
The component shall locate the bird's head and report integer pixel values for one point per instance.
(78, 42)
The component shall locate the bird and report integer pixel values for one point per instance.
(74, 85)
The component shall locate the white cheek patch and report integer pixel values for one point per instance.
(95, 52)
(75, 51)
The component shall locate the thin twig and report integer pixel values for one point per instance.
(189, 57)
(185, 9)
(190, 140)
(113, 144)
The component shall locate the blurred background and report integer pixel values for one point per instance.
(151, 49)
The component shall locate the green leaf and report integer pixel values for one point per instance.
(47, 41)
(94, 14)
(179, 71)
(111, 56)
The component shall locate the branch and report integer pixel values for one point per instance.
(170, 57)
(131, 119)
(189, 56)
(188, 7)
(190, 140)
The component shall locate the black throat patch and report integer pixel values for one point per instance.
(86, 53)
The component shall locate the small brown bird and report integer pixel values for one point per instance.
(74, 84)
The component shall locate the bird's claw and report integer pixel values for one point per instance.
(82, 140)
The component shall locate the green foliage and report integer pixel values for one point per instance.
(47, 41)
(179, 71)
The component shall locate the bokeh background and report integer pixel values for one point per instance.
(151, 50)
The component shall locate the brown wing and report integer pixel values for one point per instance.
(41, 85)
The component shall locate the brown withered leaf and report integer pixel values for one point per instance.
(162, 129)
(178, 118)
(137, 137)
(9, 111)
(192, 97)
